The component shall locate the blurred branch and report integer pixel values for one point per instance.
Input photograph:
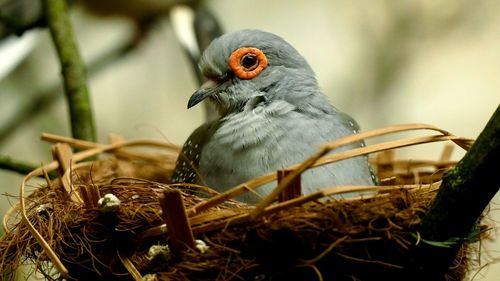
(75, 82)
(37, 104)
(13, 26)
(18, 166)
(206, 28)
(28, 110)
(33, 106)
(465, 192)
(19, 16)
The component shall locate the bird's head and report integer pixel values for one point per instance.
(247, 67)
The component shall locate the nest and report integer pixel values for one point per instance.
(64, 229)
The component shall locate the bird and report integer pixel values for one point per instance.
(271, 114)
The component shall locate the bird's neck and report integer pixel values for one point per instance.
(253, 126)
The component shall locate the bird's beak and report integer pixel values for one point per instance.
(202, 93)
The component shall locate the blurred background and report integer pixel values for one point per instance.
(383, 62)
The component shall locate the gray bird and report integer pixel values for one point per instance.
(272, 115)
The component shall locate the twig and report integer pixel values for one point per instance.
(125, 153)
(61, 268)
(132, 270)
(61, 152)
(325, 252)
(291, 177)
(75, 81)
(257, 182)
(385, 264)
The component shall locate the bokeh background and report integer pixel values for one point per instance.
(384, 62)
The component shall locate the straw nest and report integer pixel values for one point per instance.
(64, 231)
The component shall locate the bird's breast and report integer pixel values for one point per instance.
(252, 143)
(255, 126)
(249, 145)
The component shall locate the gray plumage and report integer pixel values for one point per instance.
(274, 120)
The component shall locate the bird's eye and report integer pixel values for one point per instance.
(249, 61)
(246, 63)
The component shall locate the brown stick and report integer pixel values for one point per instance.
(446, 155)
(87, 201)
(95, 195)
(82, 144)
(174, 214)
(62, 153)
(293, 190)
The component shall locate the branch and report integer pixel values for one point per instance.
(206, 28)
(17, 17)
(29, 109)
(465, 192)
(75, 82)
(18, 166)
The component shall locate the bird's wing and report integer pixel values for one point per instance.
(351, 124)
(348, 121)
(186, 167)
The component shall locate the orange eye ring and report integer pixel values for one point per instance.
(247, 62)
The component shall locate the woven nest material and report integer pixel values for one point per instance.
(61, 229)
